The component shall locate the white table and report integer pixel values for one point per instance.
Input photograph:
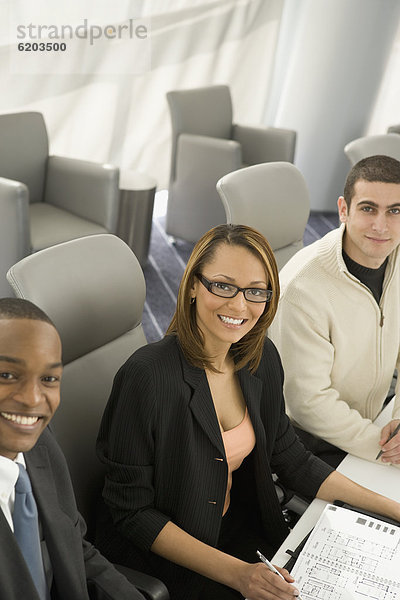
(384, 479)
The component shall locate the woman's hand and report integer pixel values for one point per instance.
(253, 581)
(257, 582)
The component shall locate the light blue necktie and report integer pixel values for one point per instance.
(26, 530)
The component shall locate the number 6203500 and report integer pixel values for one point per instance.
(42, 46)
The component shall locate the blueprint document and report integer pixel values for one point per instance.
(349, 556)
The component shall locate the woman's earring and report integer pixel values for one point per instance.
(192, 299)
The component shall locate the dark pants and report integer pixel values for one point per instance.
(237, 538)
(324, 450)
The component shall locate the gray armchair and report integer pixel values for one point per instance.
(273, 198)
(58, 199)
(95, 297)
(206, 145)
(388, 144)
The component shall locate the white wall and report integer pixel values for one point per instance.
(330, 63)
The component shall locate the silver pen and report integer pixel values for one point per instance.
(271, 567)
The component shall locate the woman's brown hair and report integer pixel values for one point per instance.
(248, 350)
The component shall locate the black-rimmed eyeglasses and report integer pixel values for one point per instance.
(228, 290)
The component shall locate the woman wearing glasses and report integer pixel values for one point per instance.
(195, 427)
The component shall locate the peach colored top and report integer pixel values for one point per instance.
(238, 442)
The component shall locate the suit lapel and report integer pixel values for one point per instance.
(38, 466)
(252, 389)
(201, 403)
(202, 406)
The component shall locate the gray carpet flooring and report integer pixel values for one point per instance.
(166, 264)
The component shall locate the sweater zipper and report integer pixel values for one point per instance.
(385, 286)
(382, 316)
(379, 332)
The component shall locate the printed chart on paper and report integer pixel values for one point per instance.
(349, 556)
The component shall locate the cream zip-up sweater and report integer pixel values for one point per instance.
(338, 347)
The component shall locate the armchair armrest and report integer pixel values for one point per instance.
(268, 144)
(14, 210)
(87, 189)
(199, 154)
(150, 587)
(393, 129)
(14, 228)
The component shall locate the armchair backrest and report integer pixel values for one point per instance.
(200, 111)
(271, 197)
(387, 144)
(24, 150)
(93, 289)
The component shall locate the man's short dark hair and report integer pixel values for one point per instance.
(19, 308)
(385, 169)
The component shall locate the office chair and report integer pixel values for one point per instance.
(272, 198)
(205, 146)
(387, 144)
(65, 198)
(93, 289)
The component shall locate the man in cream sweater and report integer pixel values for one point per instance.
(338, 323)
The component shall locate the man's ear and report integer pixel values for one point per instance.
(342, 209)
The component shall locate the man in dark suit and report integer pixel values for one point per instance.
(30, 375)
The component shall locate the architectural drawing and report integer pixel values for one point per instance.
(349, 556)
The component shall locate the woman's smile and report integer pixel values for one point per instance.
(232, 321)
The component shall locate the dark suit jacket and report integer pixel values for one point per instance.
(79, 571)
(162, 447)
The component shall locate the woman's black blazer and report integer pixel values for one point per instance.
(161, 443)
